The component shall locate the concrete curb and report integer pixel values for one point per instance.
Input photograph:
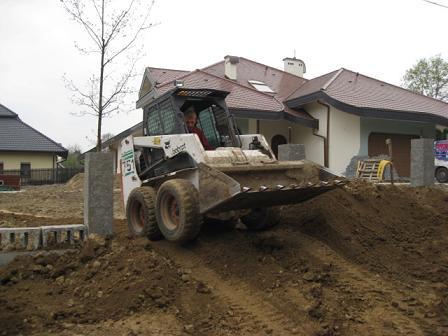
(33, 238)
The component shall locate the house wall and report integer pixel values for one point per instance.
(345, 139)
(270, 128)
(243, 125)
(370, 125)
(314, 145)
(12, 160)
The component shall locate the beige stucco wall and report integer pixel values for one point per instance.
(269, 128)
(345, 139)
(37, 160)
(314, 146)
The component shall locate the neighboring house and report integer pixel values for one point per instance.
(24, 148)
(338, 116)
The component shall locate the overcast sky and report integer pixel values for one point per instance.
(380, 38)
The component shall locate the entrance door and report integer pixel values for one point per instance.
(401, 150)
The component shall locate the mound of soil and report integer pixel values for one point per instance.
(102, 283)
(76, 182)
(360, 260)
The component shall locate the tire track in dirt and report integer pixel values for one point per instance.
(389, 298)
(240, 296)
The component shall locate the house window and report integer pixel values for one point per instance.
(260, 86)
(1, 167)
(25, 170)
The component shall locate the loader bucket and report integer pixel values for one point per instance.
(255, 185)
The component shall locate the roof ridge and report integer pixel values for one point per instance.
(177, 78)
(9, 110)
(308, 81)
(54, 142)
(399, 87)
(211, 65)
(332, 79)
(166, 69)
(265, 65)
(268, 66)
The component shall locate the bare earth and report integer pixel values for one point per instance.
(360, 260)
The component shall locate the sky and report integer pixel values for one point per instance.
(381, 39)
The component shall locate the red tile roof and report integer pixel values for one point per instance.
(161, 75)
(363, 92)
(242, 94)
(281, 82)
(240, 97)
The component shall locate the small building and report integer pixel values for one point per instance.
(24, 148)
(339, 116)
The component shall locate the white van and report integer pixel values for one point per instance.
(441, 160)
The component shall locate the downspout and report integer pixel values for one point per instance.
(326, 138)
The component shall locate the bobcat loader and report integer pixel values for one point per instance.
(170, 184)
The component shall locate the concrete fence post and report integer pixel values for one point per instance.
(422, 162)
(291, 152)
(98, 193)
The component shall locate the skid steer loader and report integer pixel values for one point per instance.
(170, 184)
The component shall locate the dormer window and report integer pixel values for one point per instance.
(260, 86)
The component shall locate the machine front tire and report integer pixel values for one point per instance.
(141, 214)
(442, 175)
(261, 218)
(178, 212)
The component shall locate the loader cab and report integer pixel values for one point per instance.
(165, 115)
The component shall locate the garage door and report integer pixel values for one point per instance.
(401, 150)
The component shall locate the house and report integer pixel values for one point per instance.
(339, 116)
(24, 148)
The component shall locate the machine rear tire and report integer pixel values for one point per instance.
(177, 211)
(442, 175)
(141, 214)
(261, 218)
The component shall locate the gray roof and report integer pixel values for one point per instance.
(6, 112)
(16, 136)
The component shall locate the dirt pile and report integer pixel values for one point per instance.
(393, 230)
(100, 284)
(361, 260)
(77, 182)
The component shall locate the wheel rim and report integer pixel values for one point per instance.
(138, 217)
(170, 212)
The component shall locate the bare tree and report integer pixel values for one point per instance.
(113, 28)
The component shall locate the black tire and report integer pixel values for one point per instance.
(177, 211)
(442, 175)
(261, 218)
(141, 214)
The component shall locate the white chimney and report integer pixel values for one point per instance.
(230, 66)
(294, 66)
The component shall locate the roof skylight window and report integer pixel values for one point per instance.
(260, 86)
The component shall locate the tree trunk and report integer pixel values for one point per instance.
(100, 98)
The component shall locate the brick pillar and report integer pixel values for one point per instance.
(422, 162)
(98, 193)
(291, 152)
